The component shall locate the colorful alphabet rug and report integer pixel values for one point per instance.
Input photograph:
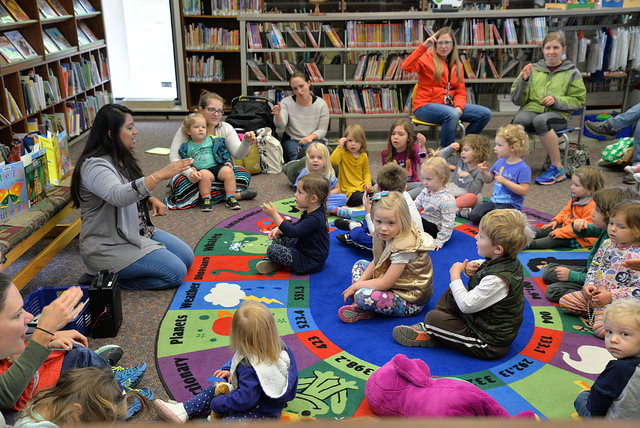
(552, 360)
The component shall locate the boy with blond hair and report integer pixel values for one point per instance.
(616, 392)
(484, 319)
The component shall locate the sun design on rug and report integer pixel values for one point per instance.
(553, 358)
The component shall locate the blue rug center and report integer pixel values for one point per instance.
(371, 340)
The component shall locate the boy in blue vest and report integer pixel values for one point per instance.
(482, 320)
(616, 392)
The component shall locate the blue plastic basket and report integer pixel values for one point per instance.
(41, 297)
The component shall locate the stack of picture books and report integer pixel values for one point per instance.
(11, 12)
(14, 47)
(85, 35)
(50, 9)
(54, 40)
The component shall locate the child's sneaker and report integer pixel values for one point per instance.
(464, 212)
(552, 175)
(207, 205)
(342, 224)
(600, 128)
(632, 169)
(135, 404)
(345, 239)
(171, 411)
(266, 267)
(129, 377)
(232, 203)
(353, 312)
(111, 353)
(413, 335)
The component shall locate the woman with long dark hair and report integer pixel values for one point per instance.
(116, 208)
(440, 95)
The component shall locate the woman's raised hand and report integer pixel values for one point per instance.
(173, 168)
(526, 71)
(275, 110)
(431, 40)
(61, 311)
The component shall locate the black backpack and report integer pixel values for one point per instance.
(249, 113)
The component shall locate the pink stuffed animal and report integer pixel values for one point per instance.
(404, 387)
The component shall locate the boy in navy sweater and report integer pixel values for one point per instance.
(616, 392)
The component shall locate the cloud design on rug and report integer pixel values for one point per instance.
(225, 294)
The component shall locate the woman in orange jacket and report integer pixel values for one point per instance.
(440, 95)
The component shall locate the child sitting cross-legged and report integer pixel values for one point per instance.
(484, 319)
(399, 280)
(391, 178)
(614, 394)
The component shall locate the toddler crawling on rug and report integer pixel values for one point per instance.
(263, 373)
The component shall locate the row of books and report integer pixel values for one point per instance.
(80, 114)
(204, 69)
(10, 10)
(203, 37)
(273, 34)
(484, 66)
(220, 7)
(378, 67)
(388, 34)
(375, 101)
(77, 76)
(42, 161)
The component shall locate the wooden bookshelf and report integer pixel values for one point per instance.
(85, 97)
(340, 76)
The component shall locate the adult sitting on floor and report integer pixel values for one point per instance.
(184, 186)
(27, 369)
(114, 200)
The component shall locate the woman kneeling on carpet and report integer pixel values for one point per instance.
(184, 186)
(399, 280)
(114, 200)
(263, 373)
(49, 352)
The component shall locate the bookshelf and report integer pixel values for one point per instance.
(59, 82)
(266, 41)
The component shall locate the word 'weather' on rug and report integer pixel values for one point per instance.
(552, 360)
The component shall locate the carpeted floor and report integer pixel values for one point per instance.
(143, 310)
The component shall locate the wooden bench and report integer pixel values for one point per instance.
(18, 234)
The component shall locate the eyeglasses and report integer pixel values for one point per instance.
(444, 42)
(214, 110)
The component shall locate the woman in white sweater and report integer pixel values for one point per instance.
(303, 117)
(184, 189)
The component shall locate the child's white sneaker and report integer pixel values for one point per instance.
(171, 411)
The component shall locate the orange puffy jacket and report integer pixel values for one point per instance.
(429, 90)
(576, 208)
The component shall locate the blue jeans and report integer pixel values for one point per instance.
(629, 117)
(447, 117)
(291, 150)
(79, 357)
(581, 404)
(162, 268)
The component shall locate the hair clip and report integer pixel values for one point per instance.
(379, 196)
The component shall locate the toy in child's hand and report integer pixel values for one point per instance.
(220, 388)
(404, 387)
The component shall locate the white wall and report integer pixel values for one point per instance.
(140, 45)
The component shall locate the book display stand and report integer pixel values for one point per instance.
(53, 66)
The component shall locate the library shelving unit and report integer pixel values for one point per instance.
(82, 66)
(386, 35)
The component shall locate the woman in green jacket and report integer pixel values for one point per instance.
(547, 93)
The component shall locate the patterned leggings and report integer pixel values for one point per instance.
(577, 304)
(281, 251)
(382, 302)
(200, 406)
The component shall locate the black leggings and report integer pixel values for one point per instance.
(431, 228)
(355, 200)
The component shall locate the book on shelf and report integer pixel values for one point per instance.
(14, 199)
(87, 31)
(86, 5)
(14, 110)
(310, 37)
(49, 45)
(82, 38)
(53, 85)
(46, 11)
(510, 31)
(34, 177)
(408, 104)
(58, 38)
(333, 36)
(273, 69)
(253, 66)
(15, 10)
(492, 67)
(78, 9)
(275, 39)
(5, 16)
(4, 120)
(313, 72)
(253, 36)
(290, 67)
(58, 7)
(20, 44)
(8, 51)
(466, 64)
(296, 38)
(204, 69)
(33, 92)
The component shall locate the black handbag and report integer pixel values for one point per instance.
(105, 304)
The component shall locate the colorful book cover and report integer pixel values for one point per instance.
(87, 31)
(49, 45)
(82, 38)
(34, 176)
(78, 9)
(14, 198)
(8, 51)
(5, 16)
(54, 162)
(21, 44)
(46, 11)
(63, 144)
(86, 5)
(58, 7)
(15, 10)
(57, 37)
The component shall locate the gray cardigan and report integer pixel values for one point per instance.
(110, 235)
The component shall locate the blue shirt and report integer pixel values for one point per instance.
(519, 173)
(305, 172)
